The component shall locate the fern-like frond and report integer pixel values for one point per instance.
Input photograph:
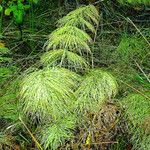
(54, 134)
(70, 38)
(96, 88)
(131, 48)
(4, 50)
(49, 92)
(64, 58)
(83, 18)
(140, 140)
(9, 109)
(137, 110)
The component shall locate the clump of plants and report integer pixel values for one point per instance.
(5, 59)
(54, 92)
(137, 110)
(131, 49)
(65, 101)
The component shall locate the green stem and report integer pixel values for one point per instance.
(63, 57)
(31, 25)
(1, 22)
(32, 19)
(31, 134)
(138, 31)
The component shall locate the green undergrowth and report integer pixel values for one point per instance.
(134, 2)
(85, 85)
(137, 110)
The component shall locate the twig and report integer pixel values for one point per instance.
(106, 142)
(7, 27)
(95, 35)
(135, 89)
(142, 71)
(138, 30)
(98, 2)
(34, 139)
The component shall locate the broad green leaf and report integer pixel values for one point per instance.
(18, 16)
(35, 1)
(7, 11)
(26, 7)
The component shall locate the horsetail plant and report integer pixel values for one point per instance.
(56, 95)
(84, 18)
(48, 92)
(96, 88)
(63, 58)
(137, 110)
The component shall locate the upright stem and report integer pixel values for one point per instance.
(92, 57)
(142, 71)
(77, 3)
(32, 19)
(1, 22)
(31, 134)
(139, 31)
(63, 57)
(31, 24)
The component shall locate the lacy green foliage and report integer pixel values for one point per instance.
(140, 140)
(48, 92)
(96, 88)
(63, 58)
(9, 109)
(134, 2)
(137, 108)
(132, 49)
(70, 38)
(5, 72)
(125, 74)
(9, 113)
(4, 51)
(49, 95)
(83, 18)
(54, 134)
(8, 102)
(6, 68)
